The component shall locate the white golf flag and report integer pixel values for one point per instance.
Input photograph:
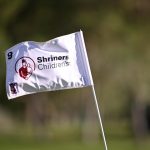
(60, 63)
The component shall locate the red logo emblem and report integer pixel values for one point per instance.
(25, 67)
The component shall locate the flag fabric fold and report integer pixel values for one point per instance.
(61, 63)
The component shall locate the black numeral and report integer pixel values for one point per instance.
(10, 54)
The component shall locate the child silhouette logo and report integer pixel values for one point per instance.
(25, 67)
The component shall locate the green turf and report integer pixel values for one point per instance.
(17, 143)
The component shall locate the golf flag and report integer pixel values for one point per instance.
(60, 63)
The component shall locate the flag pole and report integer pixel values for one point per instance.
(99, 116)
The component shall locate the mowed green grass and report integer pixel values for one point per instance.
(17, 143)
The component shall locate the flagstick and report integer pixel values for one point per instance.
(99, 116)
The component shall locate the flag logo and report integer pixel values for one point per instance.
(13, 88)
(24, 67)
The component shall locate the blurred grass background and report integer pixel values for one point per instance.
(117, 37)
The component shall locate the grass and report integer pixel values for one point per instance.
(30, 144)
(20, 143)
(65, 138)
